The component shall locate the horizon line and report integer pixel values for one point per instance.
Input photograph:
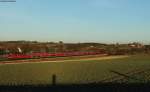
(77, 42)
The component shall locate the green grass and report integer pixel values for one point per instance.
(71, 72)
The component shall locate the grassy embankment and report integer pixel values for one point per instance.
(72, 72)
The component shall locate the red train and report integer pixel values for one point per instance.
(44, 55)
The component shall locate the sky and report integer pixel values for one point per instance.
(105, 21)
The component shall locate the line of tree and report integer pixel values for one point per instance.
(51, 47)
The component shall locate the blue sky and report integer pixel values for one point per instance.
(107, 21)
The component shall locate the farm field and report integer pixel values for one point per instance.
(131, 69)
